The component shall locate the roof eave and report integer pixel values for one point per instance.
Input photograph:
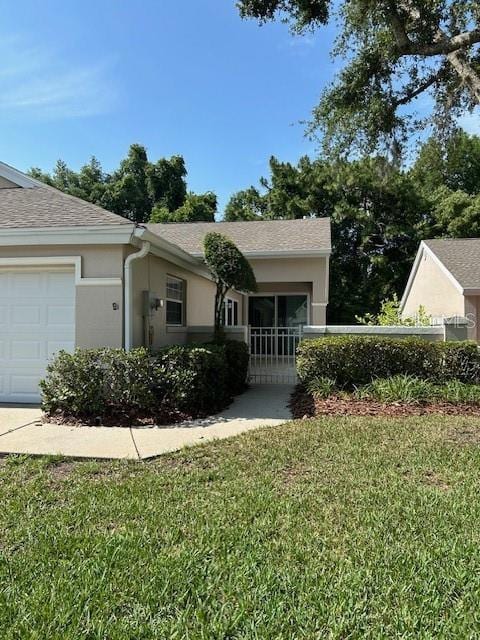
(18, 177)
(171, 252)
(86, 234)
(296, 253)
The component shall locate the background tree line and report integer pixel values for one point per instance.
(139, 190)
(379, 211)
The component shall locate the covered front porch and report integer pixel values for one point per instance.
(275, 322)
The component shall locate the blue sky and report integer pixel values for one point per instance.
(191, 78)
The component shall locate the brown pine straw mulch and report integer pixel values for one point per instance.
(304, 405)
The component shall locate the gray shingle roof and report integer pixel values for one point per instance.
(22, 208)
(461, 257)
(263, 236)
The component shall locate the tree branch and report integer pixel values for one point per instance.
(409, 95)
(469, 78)
(398, 27)
(443, 45)
(446, 45)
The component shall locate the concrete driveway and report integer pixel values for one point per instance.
(22, 430)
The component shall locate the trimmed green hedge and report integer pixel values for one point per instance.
(351, 361)
(192, 380)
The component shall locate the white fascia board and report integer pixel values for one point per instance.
(94, 234)
(171, 252)
(17, 177)
(425, 249)
(314, 253)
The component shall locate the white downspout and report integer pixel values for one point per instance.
(128, 292)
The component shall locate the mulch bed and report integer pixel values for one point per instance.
(304, 405)
(118, 420)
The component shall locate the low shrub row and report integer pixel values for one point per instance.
(353, 361)
(190, 380)
(403, 389)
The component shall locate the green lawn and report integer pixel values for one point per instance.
(327, 528)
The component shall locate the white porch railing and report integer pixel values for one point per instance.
(273, 354)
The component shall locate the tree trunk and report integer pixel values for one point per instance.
(470, 79)
(219, 300)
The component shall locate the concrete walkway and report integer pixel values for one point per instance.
(22, 430)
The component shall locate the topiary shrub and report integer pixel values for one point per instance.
(230, 270)
(352, 361)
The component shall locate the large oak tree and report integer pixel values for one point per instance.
(392, 52)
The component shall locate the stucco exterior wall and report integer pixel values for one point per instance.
(98, 261)
(299, 275)
(432, 288)
(150, 274)
(97, 323)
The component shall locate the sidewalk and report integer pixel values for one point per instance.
(21, 429)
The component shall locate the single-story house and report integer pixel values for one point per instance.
(75, 275)
(445, 279)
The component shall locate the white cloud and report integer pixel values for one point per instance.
(38, 82)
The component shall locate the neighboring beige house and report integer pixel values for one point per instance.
(75, 275)
(445, 279)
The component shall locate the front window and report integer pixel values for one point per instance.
(230, 313)
(175, 301)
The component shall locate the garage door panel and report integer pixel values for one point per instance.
(37, 319)
(24, 385)
(26, 283)
(58, 315)
(60, 285)
(27, 314)
(27, 350)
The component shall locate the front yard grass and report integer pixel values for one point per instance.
(324, 528)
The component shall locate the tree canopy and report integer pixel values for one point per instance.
(138, 189)
(230, 270)
(195, 208)
(391, 52)
(379, 213)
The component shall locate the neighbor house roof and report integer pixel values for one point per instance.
(461, 257)
(262, 237)
(41, 207)
(458, 258)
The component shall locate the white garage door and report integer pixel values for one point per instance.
(37, 319)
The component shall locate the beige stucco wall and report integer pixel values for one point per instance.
(432, 288)
(299, 275)
(150, 274)
(97, 324)
(99, 307)
(472, 313)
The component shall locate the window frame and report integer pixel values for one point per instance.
(181, 302)
(235, 312)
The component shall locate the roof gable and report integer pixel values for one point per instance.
(27, 203)
(460, 257)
